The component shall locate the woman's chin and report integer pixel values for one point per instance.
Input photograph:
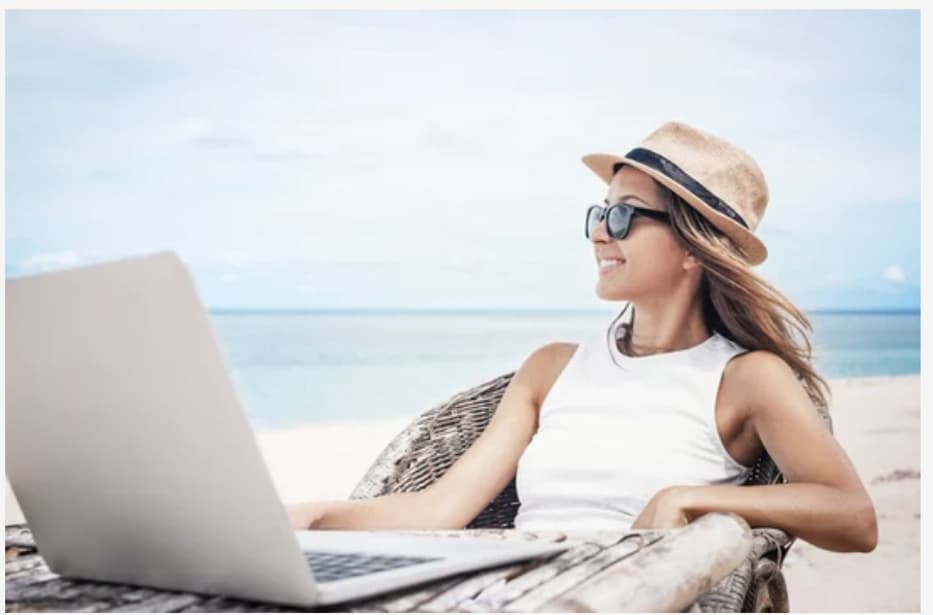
(608, 292)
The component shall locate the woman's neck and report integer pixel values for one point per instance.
(634, 343)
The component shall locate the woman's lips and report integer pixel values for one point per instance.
(606, 265)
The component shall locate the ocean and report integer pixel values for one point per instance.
(294, 368)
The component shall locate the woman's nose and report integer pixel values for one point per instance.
(599, 233)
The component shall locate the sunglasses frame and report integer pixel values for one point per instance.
(633, 210)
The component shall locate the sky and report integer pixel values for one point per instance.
(399, 159)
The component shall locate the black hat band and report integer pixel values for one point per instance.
(662, 165)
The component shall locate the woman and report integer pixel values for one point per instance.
(659, 419)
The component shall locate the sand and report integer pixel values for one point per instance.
(877, 421)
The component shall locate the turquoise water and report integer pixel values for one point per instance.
(296, 368)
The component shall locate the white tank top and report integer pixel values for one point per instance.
(614, 430)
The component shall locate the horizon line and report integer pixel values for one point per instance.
(495, 310)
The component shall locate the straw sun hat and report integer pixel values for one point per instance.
(715, 177)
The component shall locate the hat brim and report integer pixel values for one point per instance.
(755, 251)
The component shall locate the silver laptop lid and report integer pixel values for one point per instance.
(127, 446)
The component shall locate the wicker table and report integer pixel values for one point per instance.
(642, 571)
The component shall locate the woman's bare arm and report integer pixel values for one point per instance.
(483, 470)
(824, 502)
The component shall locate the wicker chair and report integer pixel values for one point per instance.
(424, 450)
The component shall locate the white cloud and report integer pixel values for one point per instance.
(894, 273)
(52, 260)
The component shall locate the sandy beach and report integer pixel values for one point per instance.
(877, 420)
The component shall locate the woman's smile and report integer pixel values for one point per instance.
(608, 264)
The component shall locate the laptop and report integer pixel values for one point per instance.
(133, 460)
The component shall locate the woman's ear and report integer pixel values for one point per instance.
(691, 261)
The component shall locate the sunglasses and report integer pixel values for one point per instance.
(619, 218)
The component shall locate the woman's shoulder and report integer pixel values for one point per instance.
(759, 364)
(752, 373)
(546, 363)
(551, 358)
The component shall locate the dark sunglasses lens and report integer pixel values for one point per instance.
(619, 218)
(593, 217)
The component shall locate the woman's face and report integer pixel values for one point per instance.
(651, 259)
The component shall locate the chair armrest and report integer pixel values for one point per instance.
(741, 590)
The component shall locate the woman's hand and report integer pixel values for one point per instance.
(304, 515)
(666, 510)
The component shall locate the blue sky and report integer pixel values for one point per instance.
(377, 159)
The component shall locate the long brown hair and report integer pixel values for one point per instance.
(738, 303)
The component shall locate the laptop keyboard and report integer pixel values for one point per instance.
(334, 565)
